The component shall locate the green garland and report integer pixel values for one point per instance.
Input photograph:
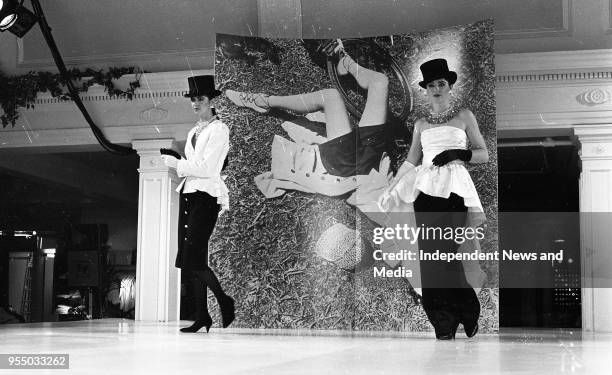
(20, 91)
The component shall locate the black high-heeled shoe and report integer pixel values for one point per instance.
(330, 48)
(448, 336)
(199, 323)
(227, 306)
(471, 331)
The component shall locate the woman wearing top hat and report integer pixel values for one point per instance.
(434, 179)
(203, 194)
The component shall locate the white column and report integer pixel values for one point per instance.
(595, 233)
(158, 282)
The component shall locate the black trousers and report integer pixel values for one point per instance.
(448, 299)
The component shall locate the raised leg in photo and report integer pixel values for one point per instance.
(377, 85)
(329, 101)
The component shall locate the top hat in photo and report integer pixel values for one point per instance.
(436, 69)
(202, 86)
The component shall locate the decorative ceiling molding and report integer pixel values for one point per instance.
(157, 111)
(577, 76)
(573, 88)
(152, 86)
(205, 57)
(96, 94)
(551, 92)
(594, 97)
(587, 65)
(511, 69)
(153, 115)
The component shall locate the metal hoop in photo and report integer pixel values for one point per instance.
(351, 44)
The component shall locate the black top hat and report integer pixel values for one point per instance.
(202, 86)
(436, 69)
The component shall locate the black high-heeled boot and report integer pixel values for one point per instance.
(226, 303)
(228, 308)
(203, 319)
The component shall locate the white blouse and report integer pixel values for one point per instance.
(202, 165)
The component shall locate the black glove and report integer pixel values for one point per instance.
(447, 156)
(167, 151)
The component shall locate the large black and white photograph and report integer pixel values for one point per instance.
(323, 133)
(297, 187)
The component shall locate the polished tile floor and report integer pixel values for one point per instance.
(115, 346)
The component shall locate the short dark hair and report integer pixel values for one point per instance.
(195, 97)
(446, 79)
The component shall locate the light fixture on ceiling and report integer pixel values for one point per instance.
(16, 18)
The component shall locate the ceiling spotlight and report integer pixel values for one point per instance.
(16, 18)
(8, 13)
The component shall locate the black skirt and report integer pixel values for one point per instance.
(197, 218)
(355, 153)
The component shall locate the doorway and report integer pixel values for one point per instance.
(538, 204)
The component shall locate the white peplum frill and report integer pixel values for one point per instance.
(439, 181)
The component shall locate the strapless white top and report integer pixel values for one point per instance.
(440, 181)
